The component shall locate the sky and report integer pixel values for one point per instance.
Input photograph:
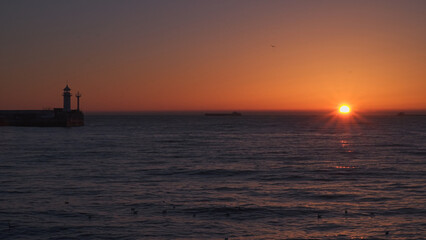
(182, 55)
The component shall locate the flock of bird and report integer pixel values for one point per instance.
(164, 212)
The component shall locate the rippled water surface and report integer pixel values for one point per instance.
(197, 177)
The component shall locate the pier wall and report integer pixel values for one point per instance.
(41, 118)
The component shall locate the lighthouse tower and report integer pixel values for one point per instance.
(67, 99)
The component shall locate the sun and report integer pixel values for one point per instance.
(345, 109)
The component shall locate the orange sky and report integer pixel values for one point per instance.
(214, 55)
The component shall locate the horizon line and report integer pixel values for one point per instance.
(300, 111)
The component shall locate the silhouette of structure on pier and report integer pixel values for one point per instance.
(78, 96)
(58, 117)
(67, 99)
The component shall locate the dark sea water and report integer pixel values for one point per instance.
(197, 177)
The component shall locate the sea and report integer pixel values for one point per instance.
(190, 176)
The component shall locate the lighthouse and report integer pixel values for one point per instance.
(67, 99)
(58, 117)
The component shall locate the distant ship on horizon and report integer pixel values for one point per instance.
(58, 117)
(234, 114)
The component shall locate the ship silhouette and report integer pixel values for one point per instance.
(233, 114)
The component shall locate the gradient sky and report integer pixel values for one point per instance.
(213, 55)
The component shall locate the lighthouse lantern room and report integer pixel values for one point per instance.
(67, 99)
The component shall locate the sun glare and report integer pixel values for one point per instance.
(344, 109)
